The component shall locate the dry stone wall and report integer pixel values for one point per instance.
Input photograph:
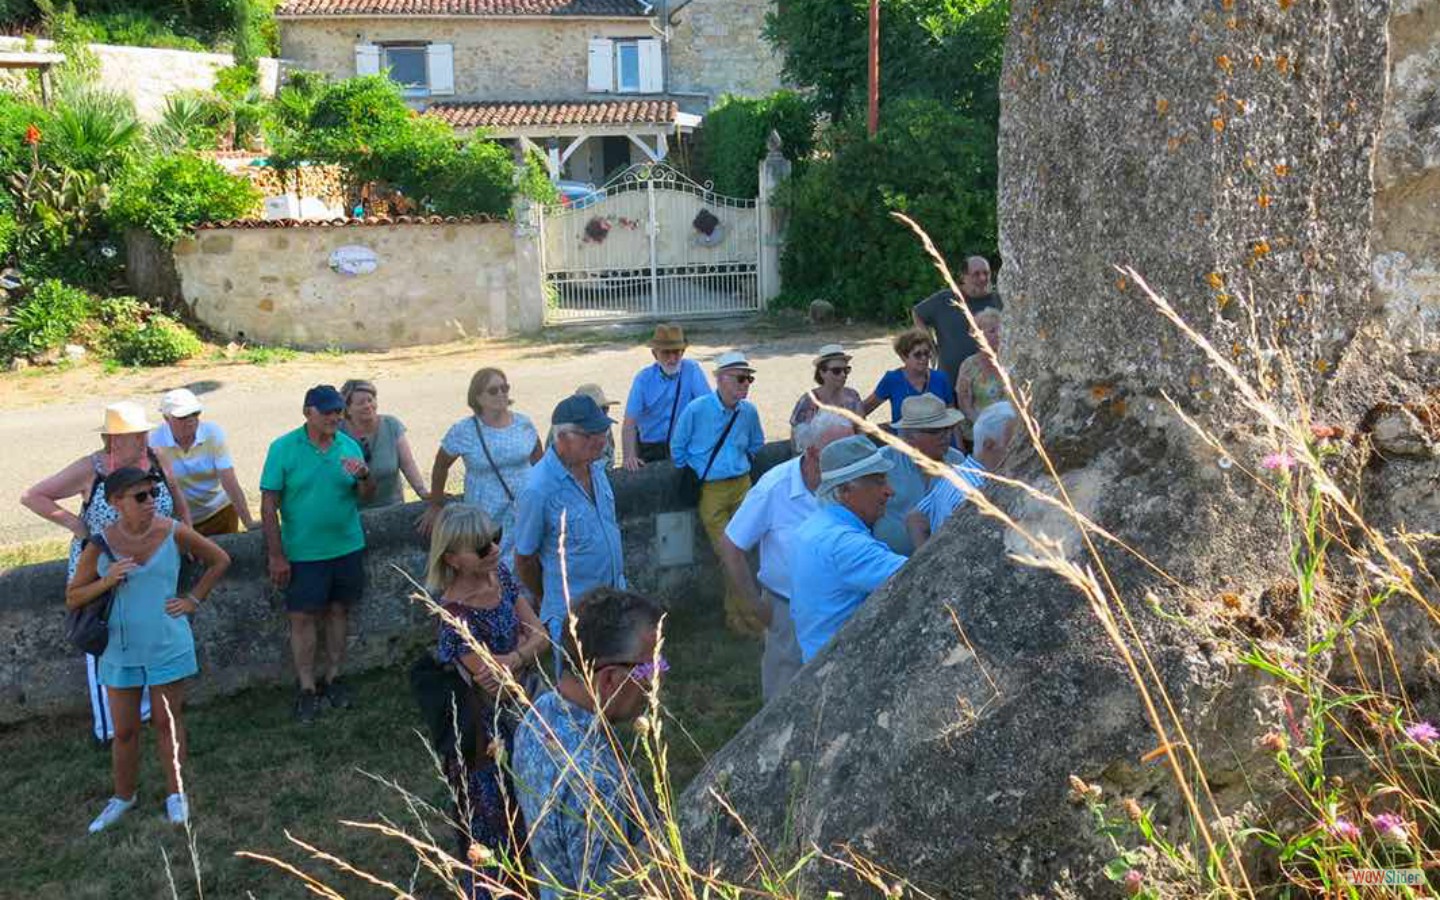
(717, 48)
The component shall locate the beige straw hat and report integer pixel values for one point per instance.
(125, 417)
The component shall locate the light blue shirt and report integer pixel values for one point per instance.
(909, 484)
(699, 429)
(652, 396)
(593, 552)
(944, 498)
(835, 564)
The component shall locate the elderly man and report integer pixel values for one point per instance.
(201, 462)
(776, 506)
(587, 811)
(837, 561)
(940, 313)
(310, 488)
(717, 437)
(927, 425)
(657, 395)
(596, 393)
(569, 483)
(993, 432)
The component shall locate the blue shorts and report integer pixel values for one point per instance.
(319, 583)
(182, 666)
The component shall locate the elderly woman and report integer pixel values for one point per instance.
(200, 459)
(916, 349)
(832, 370)
(977, 383)
(498, 446)
(382, 440)
(125, 443)
(150, 644)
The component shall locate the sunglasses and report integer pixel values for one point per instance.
(146, 496)
(645, 671)
(743, 379)
(921, 354)
(498, 389)
(839, 370)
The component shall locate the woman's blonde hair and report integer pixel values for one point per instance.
(462, 526)
(478, 383)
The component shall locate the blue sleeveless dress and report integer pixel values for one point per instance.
(148, 646)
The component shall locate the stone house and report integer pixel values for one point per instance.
(593, 85)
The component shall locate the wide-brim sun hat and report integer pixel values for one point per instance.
(596, 393)
(829, 352)
(125, 417)
(926, 412)
(668, 337)
(733, 361)
(180, 403)
(848, 459)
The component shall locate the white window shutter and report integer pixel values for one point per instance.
(652, 70)
(602, 66)
(441, 68)
(367, 59)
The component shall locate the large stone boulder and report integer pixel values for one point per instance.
(1226, 152)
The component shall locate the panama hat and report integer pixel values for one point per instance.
(926, 412)
(733, 361)
(125, 417)
(830, 351)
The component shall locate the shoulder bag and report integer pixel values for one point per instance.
(690, 483)
(88, 627)
(480, 433)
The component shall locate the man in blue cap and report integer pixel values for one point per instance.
(569, 482)
(310, 488)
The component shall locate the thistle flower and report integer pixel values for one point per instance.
(1343, 829)
(1280, 460)
(1422, 733)
(1392, 828)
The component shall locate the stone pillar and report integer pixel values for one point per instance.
(774, 170)
(527, 314)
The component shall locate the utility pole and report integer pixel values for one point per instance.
(874, 120)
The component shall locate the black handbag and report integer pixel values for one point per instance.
(690, 483)
(88, 627)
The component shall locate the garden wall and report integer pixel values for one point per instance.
(362, 284)
(240, 631)
(147, 75)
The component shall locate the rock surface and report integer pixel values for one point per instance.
(1225, 152)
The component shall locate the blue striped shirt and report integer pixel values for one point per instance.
(699, 430)
(944, 498)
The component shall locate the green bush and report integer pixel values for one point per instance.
(45, 319)
(733, 140)
(934, 164)
(480, 179)
(92, 130)
(157, 341)
(167, 194)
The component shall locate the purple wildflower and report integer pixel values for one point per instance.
(1344, 829)
(1422, 733)
(1391, 827)
(1281, 460)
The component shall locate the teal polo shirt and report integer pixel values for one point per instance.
(319, 512)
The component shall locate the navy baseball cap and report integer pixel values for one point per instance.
(324, 398)
(583, 412)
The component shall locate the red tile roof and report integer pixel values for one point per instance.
(461, 8)
(344, 223)
(521, 115)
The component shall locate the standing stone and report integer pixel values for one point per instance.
(1225, 152)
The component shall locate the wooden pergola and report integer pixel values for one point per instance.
(44, 62)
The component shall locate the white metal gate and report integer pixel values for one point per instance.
(651, 244)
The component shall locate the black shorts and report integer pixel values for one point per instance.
(319, 583)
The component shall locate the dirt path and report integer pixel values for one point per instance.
(51, 419)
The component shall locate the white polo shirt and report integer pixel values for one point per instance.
(777, 505)
(197, 470)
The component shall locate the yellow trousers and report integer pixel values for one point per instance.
(718, 502)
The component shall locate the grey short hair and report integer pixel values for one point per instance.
(808, 433)
(990, 424)
(567, 428)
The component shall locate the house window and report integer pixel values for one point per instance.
(421, 69)
(406, 66)
(627, 67)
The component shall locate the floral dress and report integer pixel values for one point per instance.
(482, 786)
(494, 489)
(985, 387)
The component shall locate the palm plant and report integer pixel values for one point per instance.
(93, 130)
(191, 120)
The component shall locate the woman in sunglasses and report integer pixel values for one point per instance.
(150, 644)
(383, 441)
(832, 370)
(468, 580)
(499, 447)
(916, 350)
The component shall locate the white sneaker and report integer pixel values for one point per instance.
(177, 809)
(111, 813)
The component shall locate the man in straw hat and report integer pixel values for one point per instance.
(658, 394)
(927, 425)
(994, 431)
(717, 438)
(837, 561)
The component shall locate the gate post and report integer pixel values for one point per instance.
(528, 232)
(774, 170)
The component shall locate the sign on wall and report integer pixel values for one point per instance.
(354, 260)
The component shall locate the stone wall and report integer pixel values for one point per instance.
(716, 48)
(241, 633)
(1406, 252)
(147, 75)
(436, 280)
(495, 58)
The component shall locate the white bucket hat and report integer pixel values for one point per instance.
(926, 412)
(180, 403)
(125, 417)
(847, 459)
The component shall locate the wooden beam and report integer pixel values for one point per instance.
(651, 154)
(574, 145)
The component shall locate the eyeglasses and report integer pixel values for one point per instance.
(645, 671)
(839, 370)
(496, 390)
(921, 354)
(146, 496)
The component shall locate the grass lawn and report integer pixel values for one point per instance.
(253, 774)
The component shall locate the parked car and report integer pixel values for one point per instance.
(578, 194)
